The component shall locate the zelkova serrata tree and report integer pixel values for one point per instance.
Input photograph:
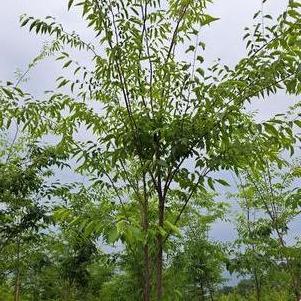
(166, 123)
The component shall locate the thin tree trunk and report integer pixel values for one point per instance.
(147, 287)
(161, 208)
(297, 294)
(160, 251)
(17, 287)
(159, 268)
(17, 281)
(257, 285)
(67, 291)
(211, 291)
(202, 293)
(146, 272)
(296, 286)
(161, 205)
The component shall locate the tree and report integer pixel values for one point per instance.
(166, 122)
(271, 201)
(196, 264)
(21, 216)
(80, 255)
(24, 169)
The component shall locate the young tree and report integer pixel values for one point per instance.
(196, 263)
(271, 200)
(81, 218)
(166, 122)
(24, 212)
(21, 214)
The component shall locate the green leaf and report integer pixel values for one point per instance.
(113, 236)
(25, 22)
(256, 14)
(161, 231)
(200, 71)
(67, 64)
(271, 129)
(33, 25)
(203, 45)
(190, 48)
(222, 182)
(70, 3)
(207, 19)
(90, 228)
(63, 83)
(61, 214)
(298, 123)
(268, 17)
(200, 59)
(8, 93)
(211, 183)
(173, 228)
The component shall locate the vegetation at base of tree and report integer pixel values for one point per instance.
(159, 129)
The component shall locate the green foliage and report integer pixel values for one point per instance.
(270, 204)
(167, 125)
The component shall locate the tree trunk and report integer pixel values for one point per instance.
(159, 267)
(161, 205)
(257, 286)
(211, 291)
(17, 281)
(146, 272)
(297, 294)
(202, 293)
(160, 251)
(297, 289)
(17, 287)
(147, 287)
(67, 291)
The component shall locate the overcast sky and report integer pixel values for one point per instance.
(223, 39)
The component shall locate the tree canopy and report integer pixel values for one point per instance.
(166, 127)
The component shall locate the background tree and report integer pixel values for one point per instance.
(271, 200)
(24, 214)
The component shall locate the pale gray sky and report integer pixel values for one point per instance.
(223, 39)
